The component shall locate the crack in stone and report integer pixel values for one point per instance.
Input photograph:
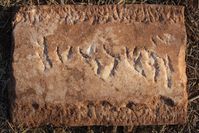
(99, 66)
(169, 71)
(168, 101)
(138, 63)
(85, 56)
(70, 52)
(90, 50)
(107, 51)
(131, 105)
(113, 70)
(170, 64)
(47, 61)
(59, 55)
(160, 39)
(153, 42)
(156, 66)
(127, 52)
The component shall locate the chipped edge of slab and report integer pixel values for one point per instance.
(103, 113)
(94, 14)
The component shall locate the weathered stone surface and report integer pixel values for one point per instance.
(99, 65)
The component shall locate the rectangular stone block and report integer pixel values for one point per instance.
(99, 65)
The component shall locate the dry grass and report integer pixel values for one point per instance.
(192, 59)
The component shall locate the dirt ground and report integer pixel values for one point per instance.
(8, 7)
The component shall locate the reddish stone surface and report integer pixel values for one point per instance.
(99, 65)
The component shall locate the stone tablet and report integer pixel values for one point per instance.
(99, 65)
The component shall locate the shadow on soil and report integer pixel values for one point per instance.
(7, 80)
